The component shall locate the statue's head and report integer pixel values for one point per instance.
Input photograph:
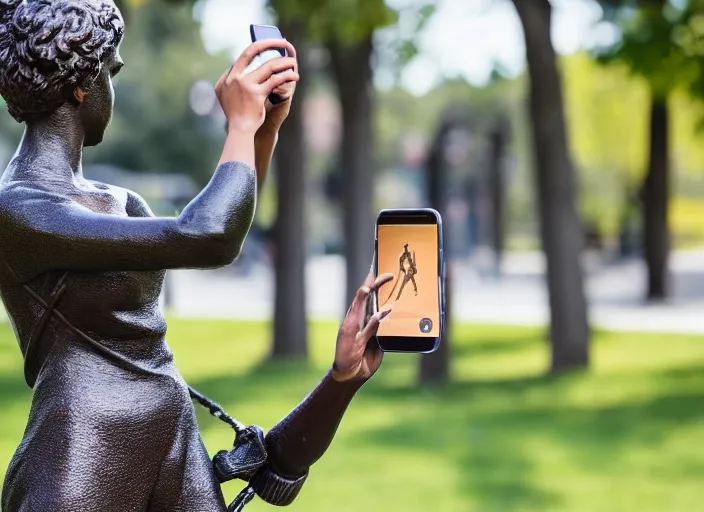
(54, 52)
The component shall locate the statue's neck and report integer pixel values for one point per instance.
(55, 145)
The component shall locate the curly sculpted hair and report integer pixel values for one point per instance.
(50, 47)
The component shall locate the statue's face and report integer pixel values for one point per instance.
(96, 108)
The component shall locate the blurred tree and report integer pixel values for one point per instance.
(561, 232)
(351, 65)
(290, 321)
(661, 41)
(655, 195)
(498, 141)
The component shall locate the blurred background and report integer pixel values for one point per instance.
(561, 141)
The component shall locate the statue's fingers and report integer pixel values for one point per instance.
(359, 304)
(381, 281)
(372, 326)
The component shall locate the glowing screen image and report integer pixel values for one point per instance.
(410, 253)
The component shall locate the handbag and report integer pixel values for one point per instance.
(247, 461)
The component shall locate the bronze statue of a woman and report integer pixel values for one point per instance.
(112, 426)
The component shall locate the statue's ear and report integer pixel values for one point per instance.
(79, 94)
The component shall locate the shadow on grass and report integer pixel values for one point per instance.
(491, 347)
(489, 432)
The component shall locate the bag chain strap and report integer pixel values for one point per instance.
(247, 494)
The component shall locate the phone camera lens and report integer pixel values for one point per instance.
(426, 325)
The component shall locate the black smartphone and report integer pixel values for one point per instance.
(409, 245)
(258, 33)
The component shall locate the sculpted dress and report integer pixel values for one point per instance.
(111, 425)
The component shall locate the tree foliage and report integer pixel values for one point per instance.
(347, 21)
(662, 41)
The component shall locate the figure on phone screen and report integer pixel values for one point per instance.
(407, 271)
(408, 258)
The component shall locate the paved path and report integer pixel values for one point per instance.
(615, 294)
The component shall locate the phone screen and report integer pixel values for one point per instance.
(266, 32)
(410, 253)
(262, 32)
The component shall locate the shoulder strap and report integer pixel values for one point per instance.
(31, 371)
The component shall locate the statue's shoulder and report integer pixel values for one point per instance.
(15, 193)
(23, 203)
(136, 205)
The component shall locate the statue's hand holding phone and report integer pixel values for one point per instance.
(243, 95)
(284, 92)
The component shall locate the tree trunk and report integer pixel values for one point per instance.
(353, 74)
(561, 231)
(435, 367)
(290, 329)
(497, 145)
(655, 196)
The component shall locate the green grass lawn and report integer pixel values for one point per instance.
(626, 435)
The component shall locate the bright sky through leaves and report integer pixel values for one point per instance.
(465, 37)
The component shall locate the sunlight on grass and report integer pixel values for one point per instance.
(625, 435)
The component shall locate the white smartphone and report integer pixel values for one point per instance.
(258, 33)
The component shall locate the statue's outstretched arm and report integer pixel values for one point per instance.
(49, 231)
(302, 437)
